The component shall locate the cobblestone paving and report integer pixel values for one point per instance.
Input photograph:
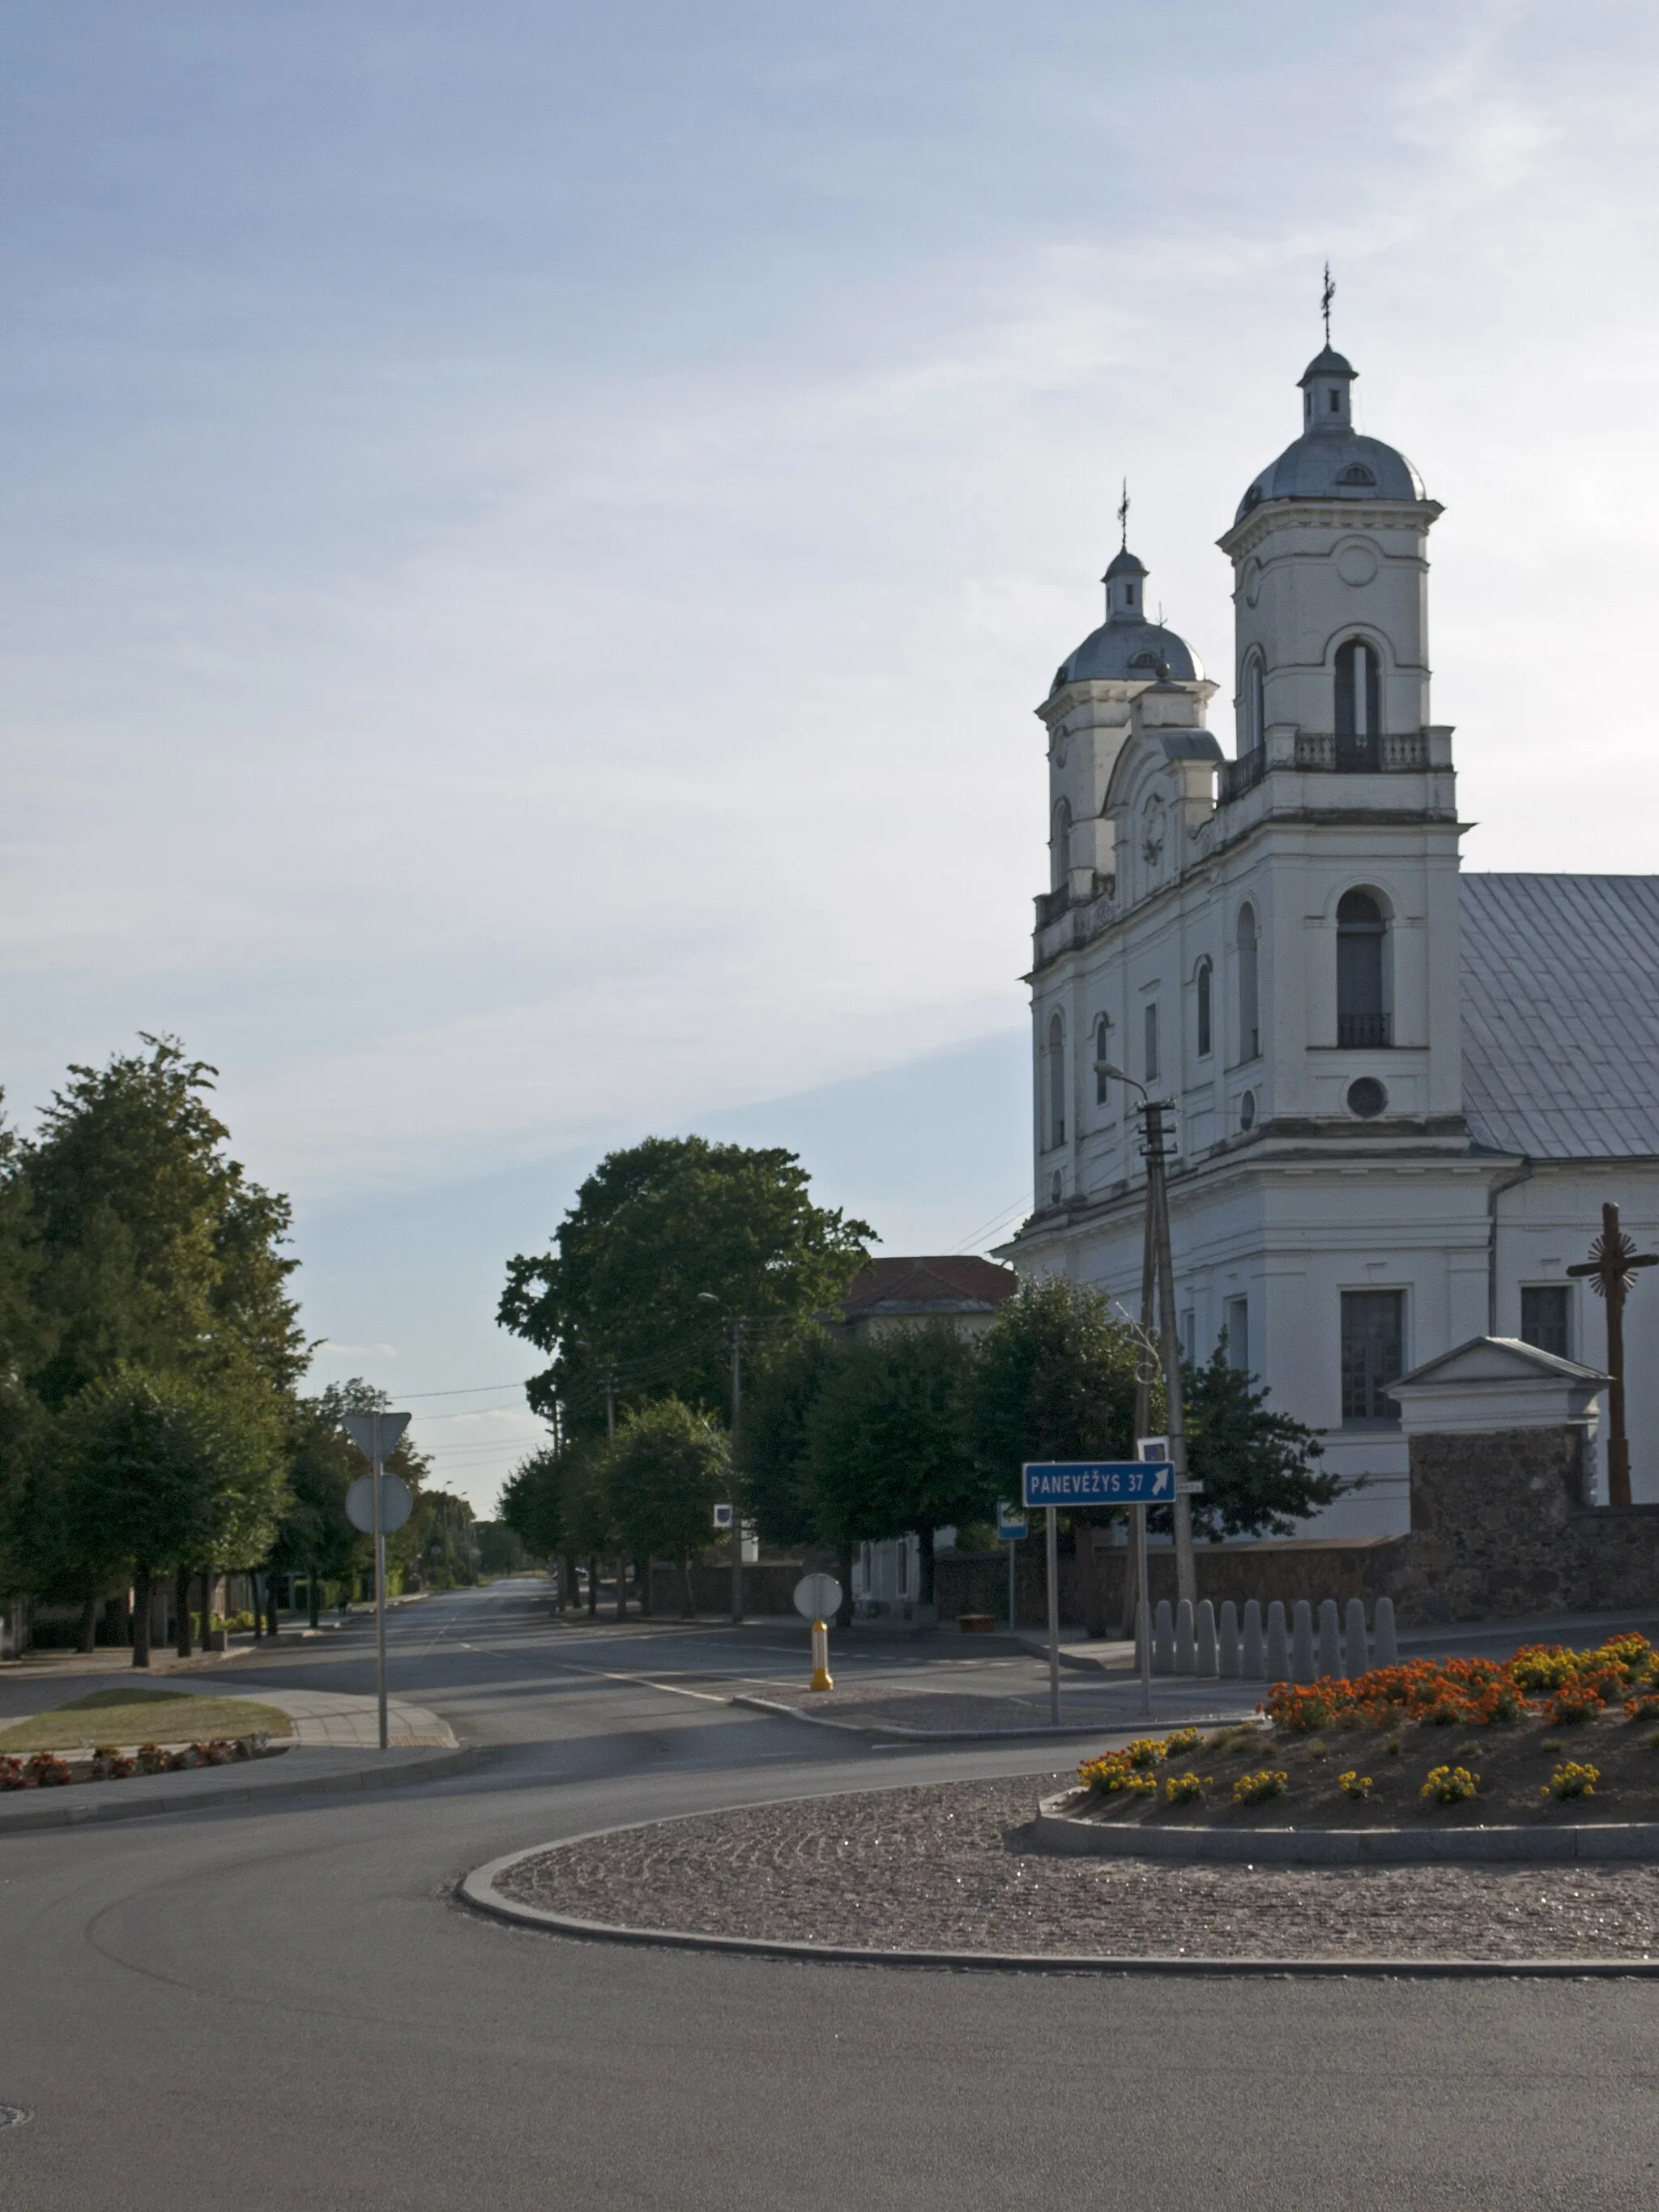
(946, 1867)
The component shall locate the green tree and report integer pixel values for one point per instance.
(776, 1481)
(888, 1442)
(315, 1539)
(445, 1553)
(531, 1504)
(668, 1468)
(1054, 1378)
(653, 1229)
(501, 1548)
(168, 1471)
(148, 1246)
(1258, 1468)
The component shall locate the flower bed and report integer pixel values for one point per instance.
(108, 1762)
(1551, 1735)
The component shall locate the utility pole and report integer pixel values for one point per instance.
(1153, 1111)
(1136, 1563)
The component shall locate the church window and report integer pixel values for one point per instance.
(1545, 1316)
(1152, 1039)
(1358, 703)
(1367, 1098)
(1129, 595)
(1203, 980)
(1056, 1081)
(1237, 1332)
(1373, 1346)
(1103, 1054)
(1247, 1112)
(1255, 703)
(1060, 850)
(1356, 474)
(1362, 1019)
(1336, 403)
(1249, 1007)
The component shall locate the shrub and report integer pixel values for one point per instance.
(11, 1772)
(1450, 1785)
(46, 1771)
(1111, 1773)
(1181, 1788)
(1574, 1704)
(1145, 1751)
(1644, 1707)
(1354, 1784)
(1573, 1779)
(1178, 1745)
(1256, 1788)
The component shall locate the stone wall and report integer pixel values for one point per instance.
(1499, 1528)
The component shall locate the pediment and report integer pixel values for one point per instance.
(1498, 1360)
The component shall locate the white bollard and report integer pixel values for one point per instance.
(1186, 1655)
(1162, 1639)
(1227, 1652)
(1302, 1641)
(1330, 1637)
(1358, 1664)
(1385, 1651)
(1278, 1646)
(1209, 1660)
(1253, 1659)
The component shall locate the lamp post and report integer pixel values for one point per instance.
(1151, 1112)
(736, 1323)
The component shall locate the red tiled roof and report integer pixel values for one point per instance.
(955, 1283)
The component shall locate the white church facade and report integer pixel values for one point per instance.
(1402, 1093)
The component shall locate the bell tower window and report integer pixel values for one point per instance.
(1362, 1015)
(1103, 1056)
(1358, 703)
(1203, 981)
(1060, 847)
(1056, 1081)
(1249, 1003)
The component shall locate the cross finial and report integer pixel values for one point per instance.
(1123, 518)
(1325, 299)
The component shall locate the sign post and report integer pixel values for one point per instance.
(1053, 1483)
(377, 1436)
(1013, 1528)
(816, 1596)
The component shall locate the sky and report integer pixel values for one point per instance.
(531, 535)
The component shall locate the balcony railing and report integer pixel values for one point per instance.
(1362, 1032)
(1402, 752)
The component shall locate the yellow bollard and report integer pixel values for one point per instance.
(822, 1678)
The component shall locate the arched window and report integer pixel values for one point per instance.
(1060, 847)
(1202, 981)
(1103, 1054)
(1362, 1014)
(1250, 1002)
(1056, 1081)
(1255, 703)
(1358, 690)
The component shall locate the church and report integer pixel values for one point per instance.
(1401, 1093)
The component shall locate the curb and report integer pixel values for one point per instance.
(1106, 1725)
(35, 1818)
(478, 1890)
(1603, 1844)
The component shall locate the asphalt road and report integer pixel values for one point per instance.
(285, 2009)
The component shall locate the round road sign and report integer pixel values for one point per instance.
(397, 1504)
(816, 1596)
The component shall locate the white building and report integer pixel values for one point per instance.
(1402, 1093)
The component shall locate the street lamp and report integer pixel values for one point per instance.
(735, 1322)
(1157, 1264)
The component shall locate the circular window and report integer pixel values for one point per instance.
(1246, 1110)
(1367, 1097)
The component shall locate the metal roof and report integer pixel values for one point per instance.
(1561, 1015)
(1128, 648)
(1328, 463)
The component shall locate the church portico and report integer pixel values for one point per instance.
(1400, 1095)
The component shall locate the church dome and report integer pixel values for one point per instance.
(1126, 648)
(1330, 459)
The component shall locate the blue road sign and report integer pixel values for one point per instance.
(1012, 1528)
(1098, 1482)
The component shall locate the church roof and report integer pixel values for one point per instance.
(1326, 463)
(1561, 1015)
(1130, 651)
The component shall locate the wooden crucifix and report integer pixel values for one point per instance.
(1611, 1268)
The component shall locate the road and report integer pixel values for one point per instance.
(286, 2009)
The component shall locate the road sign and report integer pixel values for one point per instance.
(1151, 1446)
(363, 1429)
(397, 1504)
(1097, 1482)
(816, 1596)
(723, 1517)
(1012, 1526)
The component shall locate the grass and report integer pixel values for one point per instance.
(134, 1716)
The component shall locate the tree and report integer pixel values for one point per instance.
(159, 1470)
(1257, 1467)
(501, 1548)
(315, 1539)
(1054, 1378)
(531, 1504)
(444, 1552)
(653, 1229)
(777, 1483)
(888, 1446)
(668, 1468)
